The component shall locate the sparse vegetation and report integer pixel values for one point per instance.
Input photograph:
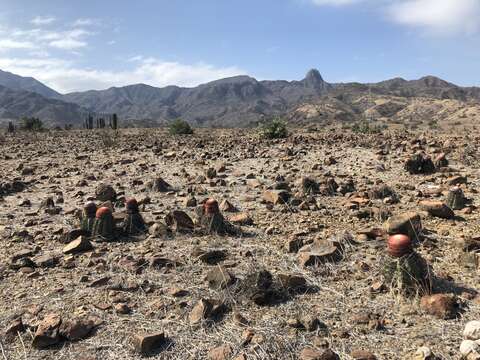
(180, 127)
(274, 129)
(32, 124)
(365, 127)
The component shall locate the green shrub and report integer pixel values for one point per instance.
(180, 127)
(32, 124)
(364, 127)
(274, 129)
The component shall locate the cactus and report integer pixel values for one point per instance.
(133, 223)
(104, 227)
(88, 217)
(408, 275)
(212, 221)
(114, 122)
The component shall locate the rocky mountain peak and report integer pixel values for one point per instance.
(313, 79)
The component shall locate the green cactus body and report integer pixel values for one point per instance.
(87, 224)
(408, 275)
(134, 224)
(104, 228)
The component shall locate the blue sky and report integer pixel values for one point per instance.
(91, 44)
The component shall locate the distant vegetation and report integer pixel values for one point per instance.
(274, 129)
(31, 124)
(365, 127)
(180, 127)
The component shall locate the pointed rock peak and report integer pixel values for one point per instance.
(313, 79)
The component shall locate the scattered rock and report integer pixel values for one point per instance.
(220, 353)
(437, 209)
(145, 344)
(78, 246)
(442, 306)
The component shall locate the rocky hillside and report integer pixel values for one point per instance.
(15, 104)
(16, 82)
(244, 101)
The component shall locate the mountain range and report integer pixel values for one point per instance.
(232, 102)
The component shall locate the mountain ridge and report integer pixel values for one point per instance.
(229, 102)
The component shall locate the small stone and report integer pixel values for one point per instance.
(159, 185)
(472, 330)
(241, 219)
(206, 309)
(105, 192)
(363, 355)
(442, 306)
(179, 221)
(423, 353)
(469, 348)
(227, 206)
(318, 253)
(75, 330)
(220, 353)
(437, 209)
(408, 224)
(276, 196)
(77, 246)
(219, 278)
(293, 282)
(145, 344)
(122, 308)
(47, 333)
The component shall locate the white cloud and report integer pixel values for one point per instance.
(438, 16)
(66, 76)
(85, 22)
(10, 44)
(47, 55)
(43, 20)
(41, 39)
(68, 44)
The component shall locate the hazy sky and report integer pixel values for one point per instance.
(94, 44)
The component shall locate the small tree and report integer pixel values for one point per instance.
(180, 127)
(274, 129)
(32, 124)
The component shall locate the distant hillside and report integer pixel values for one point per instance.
(232, 102)
(16, 82)
(15, 104)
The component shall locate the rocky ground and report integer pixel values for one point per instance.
(266, 292)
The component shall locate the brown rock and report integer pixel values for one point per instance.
(276, 196)
(437, 209)
(47, 333)
(318, 253)
(363, 355)
(105, 192)
(219, 278)
(442, 306)
(145, 344)
(408, 224)
(179, 221)
(75, 329)
(82, 244)
(241, 219)
(292, 282)
(220, 353)
(227, 206)
(206, 309)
